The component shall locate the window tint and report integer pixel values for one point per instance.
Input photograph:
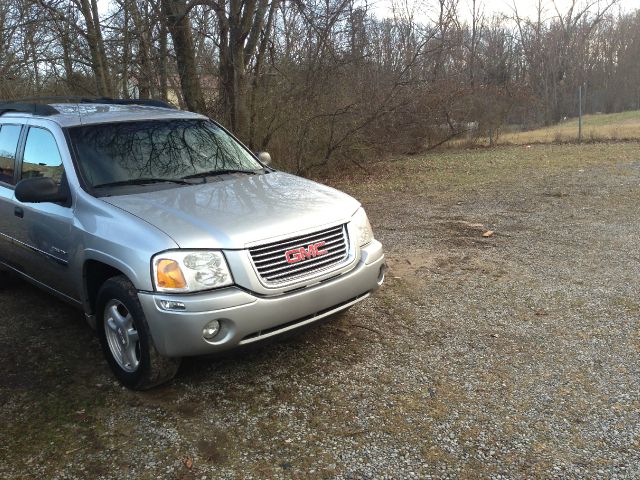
(41, 156)
(9, 136)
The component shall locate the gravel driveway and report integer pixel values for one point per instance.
(514, 355)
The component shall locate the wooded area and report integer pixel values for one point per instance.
(317, 82)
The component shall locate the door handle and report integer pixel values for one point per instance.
(18, 212)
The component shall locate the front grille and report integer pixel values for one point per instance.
(272, 265)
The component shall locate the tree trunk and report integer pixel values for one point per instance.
(240, 32)
(126, 55)
(144, 73)
(163, 74)
(66, 56)
(95, 41)
(180, 29)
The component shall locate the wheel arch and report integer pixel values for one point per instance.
(95, 271)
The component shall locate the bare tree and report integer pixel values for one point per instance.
(178, 24)
(324, 82)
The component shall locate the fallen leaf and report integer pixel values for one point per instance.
(488, 233)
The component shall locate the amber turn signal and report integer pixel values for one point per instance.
(169, 275)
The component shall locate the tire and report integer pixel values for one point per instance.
(125, 338)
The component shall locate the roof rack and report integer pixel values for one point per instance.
(33, 108)
(132, 101)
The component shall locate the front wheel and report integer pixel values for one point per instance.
(125, 338)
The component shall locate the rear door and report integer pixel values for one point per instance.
(11, 136)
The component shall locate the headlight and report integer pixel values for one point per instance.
(363, 227)
(190, 271)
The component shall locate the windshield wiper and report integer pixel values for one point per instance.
(142, 181)
(224, 171)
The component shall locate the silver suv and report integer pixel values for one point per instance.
(172, 236)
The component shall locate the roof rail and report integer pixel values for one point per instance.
(32, 108)
(42, 101)
(131, 101)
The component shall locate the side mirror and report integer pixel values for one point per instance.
(264, 157)
(39, 190)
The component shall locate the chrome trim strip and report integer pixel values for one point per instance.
(59, 260)
(19, 243)
(314, 318)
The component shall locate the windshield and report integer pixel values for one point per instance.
(155, 151)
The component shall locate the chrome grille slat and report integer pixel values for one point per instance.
(312, 261)
(271, 265)
(315, 266)
(274, 249)
(300, 238)
(277, 258)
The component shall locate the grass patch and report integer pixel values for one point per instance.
(595, 128)
(612, 127)
(451, 172)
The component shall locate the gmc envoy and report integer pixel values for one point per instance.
(171, 236)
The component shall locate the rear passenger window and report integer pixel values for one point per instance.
(9, 136)
(41, 156)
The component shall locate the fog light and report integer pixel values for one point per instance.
(211, 329)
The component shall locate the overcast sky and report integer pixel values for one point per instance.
(526, 8)
(426, 8)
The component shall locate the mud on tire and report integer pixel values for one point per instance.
(125, 338)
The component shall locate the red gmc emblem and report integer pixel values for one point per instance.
(298, 254)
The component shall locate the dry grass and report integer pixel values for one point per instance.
(624, 126)
(448, 172)
(615, 126)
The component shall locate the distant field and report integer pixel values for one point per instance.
(615, 126)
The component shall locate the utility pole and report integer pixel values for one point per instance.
(580, 114)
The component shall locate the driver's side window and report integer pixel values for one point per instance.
(41, 156)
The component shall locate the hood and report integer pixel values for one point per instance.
(239, 210)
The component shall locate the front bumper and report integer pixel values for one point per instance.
(246, 317)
